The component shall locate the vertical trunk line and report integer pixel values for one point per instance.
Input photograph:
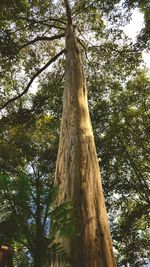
(77, 169)
(68, 12)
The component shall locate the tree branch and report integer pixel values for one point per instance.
(32, 79)
(41, 21)
(44, 22)
(83, 9)
(34, 20)
(43, 38)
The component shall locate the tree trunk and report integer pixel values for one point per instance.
(77, 170)
(38, 242)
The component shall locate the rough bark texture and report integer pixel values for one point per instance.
(77, 171)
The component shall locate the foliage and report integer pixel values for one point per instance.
(30, 217)
(31, 225)
(119, 106)
(121, 130)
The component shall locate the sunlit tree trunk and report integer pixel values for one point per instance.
(77, 170)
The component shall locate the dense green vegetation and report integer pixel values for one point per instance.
(32, 38)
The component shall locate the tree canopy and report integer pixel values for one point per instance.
(32, 49)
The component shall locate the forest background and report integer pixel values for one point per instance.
(32, 39)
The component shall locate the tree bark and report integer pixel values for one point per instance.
(77, 169)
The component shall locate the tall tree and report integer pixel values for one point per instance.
(77, 170)
(30, 27)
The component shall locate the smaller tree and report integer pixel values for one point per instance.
(32, 220)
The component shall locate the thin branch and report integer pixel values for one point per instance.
(83, 9)
(33, 78)
(43, 38)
